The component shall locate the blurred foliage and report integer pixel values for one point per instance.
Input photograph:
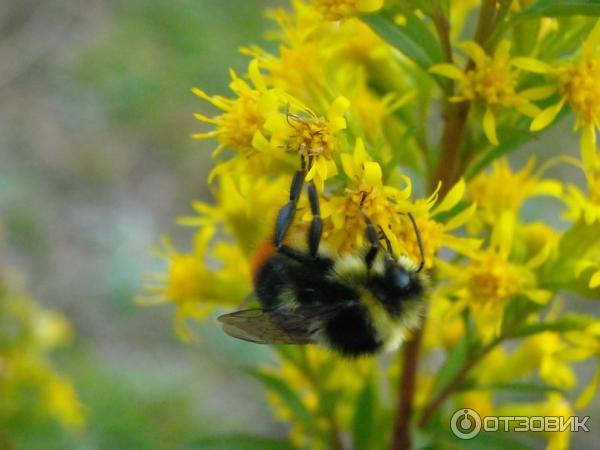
(101, 88)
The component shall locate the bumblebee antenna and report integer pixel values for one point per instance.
(419, 241)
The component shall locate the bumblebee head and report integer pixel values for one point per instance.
(395, 283)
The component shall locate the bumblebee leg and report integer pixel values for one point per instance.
(286, 214)
(374, 243)
(316, 224)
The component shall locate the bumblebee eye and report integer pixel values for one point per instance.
(398, 278)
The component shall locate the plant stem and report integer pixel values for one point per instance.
(435, 404)
(455, 119)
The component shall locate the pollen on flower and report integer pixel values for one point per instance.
(579, 85)
(492, 81)
(492, 279)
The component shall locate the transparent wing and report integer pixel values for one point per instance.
(273, 327)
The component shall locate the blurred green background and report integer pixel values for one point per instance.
(96, 161)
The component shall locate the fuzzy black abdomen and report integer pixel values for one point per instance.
(350, 331)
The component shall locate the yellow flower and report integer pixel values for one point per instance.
(503, 190)
(585, 206)
(314, 138)
(366, 195)
(242, 116)
(577, 84)
(238, 198)
(491, 279)
(386, 206)
(61, 401)
(194, 288)
(491, 82)
(555, 405)
(436, 234)
(338, 9)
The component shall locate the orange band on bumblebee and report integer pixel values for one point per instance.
(260, 257)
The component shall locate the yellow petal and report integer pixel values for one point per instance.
(533, 65)
(338, 107)
(538, 295)
(461, 218)
(595, 280)
(260, 142)
(474, 51)
(452, 197)
(372, 173)
(527, 108)
(588, 147)
(203, 118)
(503, 233)
(369, 5)
(255, 76)
(583, 265)
(447, 70)
(540, 258)
(348, 166)
(489, 126)
(539, 93)
(543, 119)
(588, 394)
(502, 52)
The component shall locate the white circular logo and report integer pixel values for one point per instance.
(465, 423)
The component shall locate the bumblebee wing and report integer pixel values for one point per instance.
(271, 327)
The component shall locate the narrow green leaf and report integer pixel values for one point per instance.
(518, 136)
(512, 387)
(288, 396)
(414, 39)
(569, 322)
(364, 415)
(455, 360)
(559, 8)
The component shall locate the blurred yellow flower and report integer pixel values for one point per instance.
(502, 190)
(491, 82)
(577, 84)
(193, 287)
(338, 9)
(585, 206)
(242, 116)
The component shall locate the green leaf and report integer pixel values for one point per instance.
(559, 8)
(568, 322)
(414, 39)
(518, 136)
(455, 360)
(242, 442)
(364, 415)
(574, 244)
(288, 396)
(550, 8)
(516, 312)
(512, 387)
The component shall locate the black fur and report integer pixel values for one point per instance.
(346, 322)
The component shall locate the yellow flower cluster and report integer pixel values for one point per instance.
(33, 393)
(351, 95)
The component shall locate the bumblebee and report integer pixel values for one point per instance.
(355, 304)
